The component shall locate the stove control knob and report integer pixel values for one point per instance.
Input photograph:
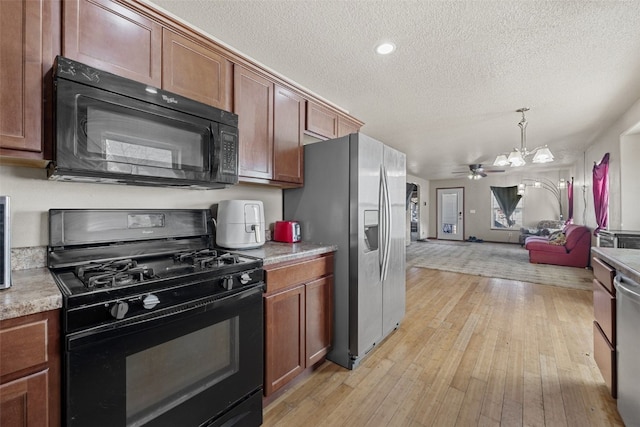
(119, 309)
(245, 278)
(150, 301)
(227, 283)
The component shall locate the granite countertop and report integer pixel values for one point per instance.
(32, 291)
(627, 261)
(276, 252)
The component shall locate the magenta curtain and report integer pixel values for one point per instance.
(601, 193)
(570, 197)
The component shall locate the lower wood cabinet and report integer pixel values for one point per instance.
(604, 324)
(30, 370)
(298, 318)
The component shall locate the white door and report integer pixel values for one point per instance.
(450, 213)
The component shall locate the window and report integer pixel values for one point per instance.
(498, 219)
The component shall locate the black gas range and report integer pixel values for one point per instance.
(172, 325)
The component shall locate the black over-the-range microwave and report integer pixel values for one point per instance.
(115, 130)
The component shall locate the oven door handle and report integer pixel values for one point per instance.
(117, 329)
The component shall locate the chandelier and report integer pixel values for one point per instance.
(518, 156)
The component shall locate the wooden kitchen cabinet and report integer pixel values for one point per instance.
(321, 121)
(271, 127)
(30, 370)
(318, 325)
(298, 318)
(114, 38)
(604, 324)
(326, 123)
(30, 34)
(347, 126)
(288, 133)
(284, 337)
(196, 71)
(253, 103)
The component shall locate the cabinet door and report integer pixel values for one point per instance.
(319, 318)
(29, 35)
(195, 71)
(321, 120)
(345, 126)
(23, 402)
(284, 337)
(113, 38)
(288, 130)
(253, 102)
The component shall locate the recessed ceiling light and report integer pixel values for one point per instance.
(385, 48)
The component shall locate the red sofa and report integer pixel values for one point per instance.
(574, 252)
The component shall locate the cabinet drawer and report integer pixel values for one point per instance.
(282, 277)
(23, 346)
(605, 357)
(604, 273)
(604, 310)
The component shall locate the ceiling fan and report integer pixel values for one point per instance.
(477, 171)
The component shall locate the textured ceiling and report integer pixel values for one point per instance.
(447, 96)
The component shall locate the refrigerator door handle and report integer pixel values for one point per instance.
(387, 224)
(381, 230)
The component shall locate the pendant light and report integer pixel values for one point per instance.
(518, 156)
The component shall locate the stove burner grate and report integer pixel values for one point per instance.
(113, 273)
(207, 258)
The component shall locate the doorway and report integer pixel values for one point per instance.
(413, 211)
(450, 213)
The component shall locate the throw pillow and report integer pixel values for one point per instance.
(560, 240)
(555, 235)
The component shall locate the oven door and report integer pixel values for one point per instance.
(102, 134)
(200, 365)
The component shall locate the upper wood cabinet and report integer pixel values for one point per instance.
(253, 103)
(195, 71)
(113, 38)
(328, 123)
(321, 121)
(346, 126)
(271, 126)
(29, 30)
(288, 128)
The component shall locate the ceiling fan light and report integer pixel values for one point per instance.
(470, 176)
(543, 155)
(516, 159)
(501, 160)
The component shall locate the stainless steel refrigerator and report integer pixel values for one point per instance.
(354, 197)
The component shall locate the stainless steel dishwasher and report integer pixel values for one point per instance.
(628, 348)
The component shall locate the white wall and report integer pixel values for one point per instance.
(608, 141)
(32, 195)
(630, 181)
(538, 203)
(423, 196)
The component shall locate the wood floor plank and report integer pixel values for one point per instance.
(472, 404)
(448, 412)
(554, 413)
(533, 406)
(471, 351)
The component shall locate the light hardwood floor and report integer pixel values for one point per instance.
(471, 351)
